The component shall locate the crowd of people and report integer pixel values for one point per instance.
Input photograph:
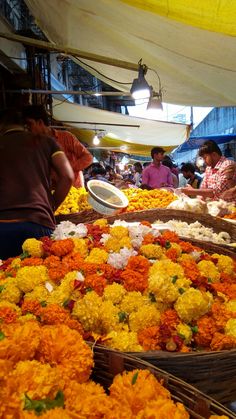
(39, 164)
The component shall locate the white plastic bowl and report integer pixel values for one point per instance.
(105, 198)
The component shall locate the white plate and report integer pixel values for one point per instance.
(229, 220)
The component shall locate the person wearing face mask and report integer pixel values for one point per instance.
(220, 174)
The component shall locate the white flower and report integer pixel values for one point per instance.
(79, 276)
(120, 223)
(120, 260)
(104, 238)
(66, 229)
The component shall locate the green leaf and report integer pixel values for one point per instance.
(174, 279)
(2, 336)
(209, 280)
(66, 302)
(181, 290)
(2, 287)
(40, 406)
(152, 297)
(24, 255)
(89, 289)
(181, 336)
(167, 245)
(71, 233)
(194, 329)
(9, 275)
(134, 379)
(43, 304)
(123, 316)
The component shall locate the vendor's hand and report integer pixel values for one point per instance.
(230, 194)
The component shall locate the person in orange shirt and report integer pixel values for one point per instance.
(80, 158)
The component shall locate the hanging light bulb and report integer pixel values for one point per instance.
(140, 88)
(96, 140)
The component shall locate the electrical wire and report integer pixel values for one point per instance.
(101, 74)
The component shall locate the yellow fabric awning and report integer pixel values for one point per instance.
(191, 44)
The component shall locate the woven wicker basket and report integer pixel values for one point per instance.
(108, 363)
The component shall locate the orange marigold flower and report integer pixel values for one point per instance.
(206, 329)
(134, 281)
(222, 342)
(191, 270)
(72, 261)
(138, 264)
(89, 268)
(96, 282)
(51, 261)
(224, 277)
(108, 272)
(220, 314)
(186, 247)
(226, 288)
(7, 315)
(146, 223)
(33, 261)
(149, 338)
(170, 236)
(66, 348)
(75, 324)
(57, 273)
(62, 247)
(168, 323)
(172, 254)
(148, 239)
(31, 306)
(53, 314)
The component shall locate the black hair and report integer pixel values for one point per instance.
(138, 166)
(36, 112)
(98, 171)
(168, 162)
(156, 150)
(209, 147)
(188, 167)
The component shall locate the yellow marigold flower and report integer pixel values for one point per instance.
(36, 380)
(16, 263)
(193, 304)
(231, 305)
(146, 316)
(10, 292)
(137, 388)
(163, 408)
(208, 269)
(124, 341)
(97, 256)
(183, 283)
(29, 276)
(167, 267)
(63, 292)
(39, 293)
(224, 264)
(185, 257)
(132, 301)
(125, 242)
(87, 311)
(34, 247)
(119, 232)
(151, 251)
(114, 293)
(163, 288)
(26, 318)
(230, 328)
(102, 222)
(112, 245)
(185, 332)
(75, 201)
(109, 318)
(80, 247)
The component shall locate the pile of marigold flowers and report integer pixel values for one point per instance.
(45, 372)
(140, 199)
(126, 286)
(76, 201)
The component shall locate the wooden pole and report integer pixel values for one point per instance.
(69, 51)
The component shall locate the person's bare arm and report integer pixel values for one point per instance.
(192, 192)
(65, 177)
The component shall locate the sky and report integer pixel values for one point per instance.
(170, 113)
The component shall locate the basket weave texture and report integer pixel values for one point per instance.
(108, 363)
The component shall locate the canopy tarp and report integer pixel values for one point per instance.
(191, 44)
(128, 134)
(196, 142)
